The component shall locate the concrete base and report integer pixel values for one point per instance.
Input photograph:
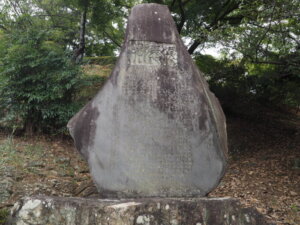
(161, 211)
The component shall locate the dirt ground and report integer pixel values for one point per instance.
(263, 168)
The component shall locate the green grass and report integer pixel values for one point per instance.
(295, 208)
(3, 216)
(7, 152)
(13, 154)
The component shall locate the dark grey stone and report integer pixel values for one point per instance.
(154, 129)
(79, 211)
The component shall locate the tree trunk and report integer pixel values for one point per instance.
(193, 47)
(79, 52)
(29, 128)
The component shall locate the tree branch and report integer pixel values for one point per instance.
(172, 5)
(3, 27)
(214, 24)
(79, 53)
(193, 47)
(112, 39)
(277, 31)
(51, 15)
(182, 19)
(14, 7)
(265, 33)
(185, 2)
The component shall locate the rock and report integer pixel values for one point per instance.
(156, 211)
(154, 129)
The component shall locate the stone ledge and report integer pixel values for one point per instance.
(153, 211)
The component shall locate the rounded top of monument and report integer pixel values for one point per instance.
(151, 22)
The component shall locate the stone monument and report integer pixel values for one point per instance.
(154, 129)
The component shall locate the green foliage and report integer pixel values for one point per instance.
(8, 152)
(4, 213)
(227, 80)
(40, 81)
(13, 156)
(89, 88)
(101, 60)
(100, 49)
(267, 40)
(241, 85)
(295, 208)
(273, 83)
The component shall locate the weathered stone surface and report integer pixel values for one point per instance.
(154, 129)
(79, 211)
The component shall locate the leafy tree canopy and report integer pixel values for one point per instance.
(259, 41)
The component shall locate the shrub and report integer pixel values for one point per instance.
(4, 213)
(38, 82)
(101, 60)
(243, 87)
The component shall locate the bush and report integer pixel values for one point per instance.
(228, 81)
(243, 87)
(4, 213)
(38, 82)
(101, 60)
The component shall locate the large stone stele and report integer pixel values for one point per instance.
(79, 211)
(154, 129)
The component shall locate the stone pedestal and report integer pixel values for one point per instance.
(150, 211)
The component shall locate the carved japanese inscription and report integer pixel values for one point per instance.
(154, 129)
(152, 54)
